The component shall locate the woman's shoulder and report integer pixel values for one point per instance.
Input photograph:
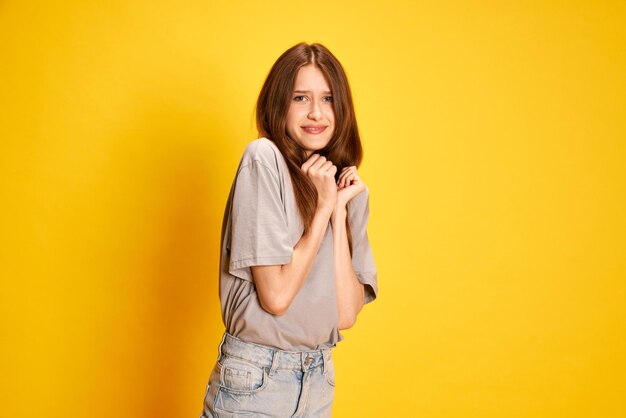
(261, 150)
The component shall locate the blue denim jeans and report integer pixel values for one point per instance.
(253, 380)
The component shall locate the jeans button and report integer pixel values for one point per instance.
(308, 360)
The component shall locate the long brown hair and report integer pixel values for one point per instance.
(344, 149)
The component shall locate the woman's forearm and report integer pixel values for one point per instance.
(305, 251)
(350, 292)
(278, 285)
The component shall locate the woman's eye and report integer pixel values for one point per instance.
(303, 98)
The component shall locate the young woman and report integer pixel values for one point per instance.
(296, 264)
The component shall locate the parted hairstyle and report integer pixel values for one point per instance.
(344, 149)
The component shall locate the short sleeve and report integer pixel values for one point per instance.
(362, 257)
(259, 230)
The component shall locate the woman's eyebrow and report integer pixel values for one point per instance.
(308, 91)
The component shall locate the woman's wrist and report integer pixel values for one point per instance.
(325, 209)
(340, 212)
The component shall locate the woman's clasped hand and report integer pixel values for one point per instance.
(321, 172)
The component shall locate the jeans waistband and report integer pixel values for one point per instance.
(273, 357)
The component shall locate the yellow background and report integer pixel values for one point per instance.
(495, 148)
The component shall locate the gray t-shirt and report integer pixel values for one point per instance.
(261, 226)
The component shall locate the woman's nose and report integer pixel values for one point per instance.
(315, 111)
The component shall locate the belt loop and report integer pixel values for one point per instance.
(275, 354)
(326, 357)
(219, 349)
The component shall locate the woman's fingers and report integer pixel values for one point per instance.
(319, 163)
(321, 170)
(348, 174)
(349, 180)
(326, 166)
(314, 158)
(344, 179)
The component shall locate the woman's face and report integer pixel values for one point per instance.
(311, 118)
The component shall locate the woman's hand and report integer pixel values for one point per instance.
(348, 186)
(322, 173)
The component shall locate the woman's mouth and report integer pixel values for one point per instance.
(314, 129)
